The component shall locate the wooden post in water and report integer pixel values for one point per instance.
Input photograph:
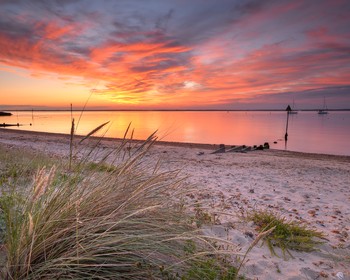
(288, 111)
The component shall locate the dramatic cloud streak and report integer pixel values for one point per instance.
(183, 54)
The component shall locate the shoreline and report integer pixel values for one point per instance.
(175, 144)
(311, 189)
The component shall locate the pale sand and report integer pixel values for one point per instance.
(314, 189)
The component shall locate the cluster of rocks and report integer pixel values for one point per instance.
(241, 149)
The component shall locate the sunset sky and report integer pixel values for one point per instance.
(175, 54)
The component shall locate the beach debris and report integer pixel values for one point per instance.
(9, 124)
(200, 153)
(320, 223)
(340, 275)
(220, 150)
(312, 213)
(235, 149)
(249, 234)
(324, 274)
(245, 149)
(266, 146)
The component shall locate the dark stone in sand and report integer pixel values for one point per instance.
(249, 234)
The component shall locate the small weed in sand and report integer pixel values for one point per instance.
(102, 167)
(287, 235)
(210, 269)
(202, 217)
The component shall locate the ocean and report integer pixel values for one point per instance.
(307, 131)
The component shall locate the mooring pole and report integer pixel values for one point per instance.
(286, 135)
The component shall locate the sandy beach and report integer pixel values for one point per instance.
(310, 188)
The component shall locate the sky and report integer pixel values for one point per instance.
(174, 54)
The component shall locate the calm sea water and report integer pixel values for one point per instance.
(308, 131)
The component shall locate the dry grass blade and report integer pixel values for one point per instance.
(31, 225)
(42, 180)
(126, 131)
(92, 132)
(71, 143)
(260, 236)
(149, 140)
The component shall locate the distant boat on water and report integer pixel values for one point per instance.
(5, 114)
(324, 110)
(293, 109)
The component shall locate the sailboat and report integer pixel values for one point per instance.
(293, 109)
(323, 111)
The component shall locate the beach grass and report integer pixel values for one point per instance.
(287, 235)
(80, 219)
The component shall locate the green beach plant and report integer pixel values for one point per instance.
(287, 235)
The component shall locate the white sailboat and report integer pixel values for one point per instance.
(323, 111)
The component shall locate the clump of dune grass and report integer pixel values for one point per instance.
(287, 235)
(105, 221)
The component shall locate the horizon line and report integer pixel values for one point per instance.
(166, 110)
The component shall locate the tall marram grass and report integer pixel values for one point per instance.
(86, 222)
